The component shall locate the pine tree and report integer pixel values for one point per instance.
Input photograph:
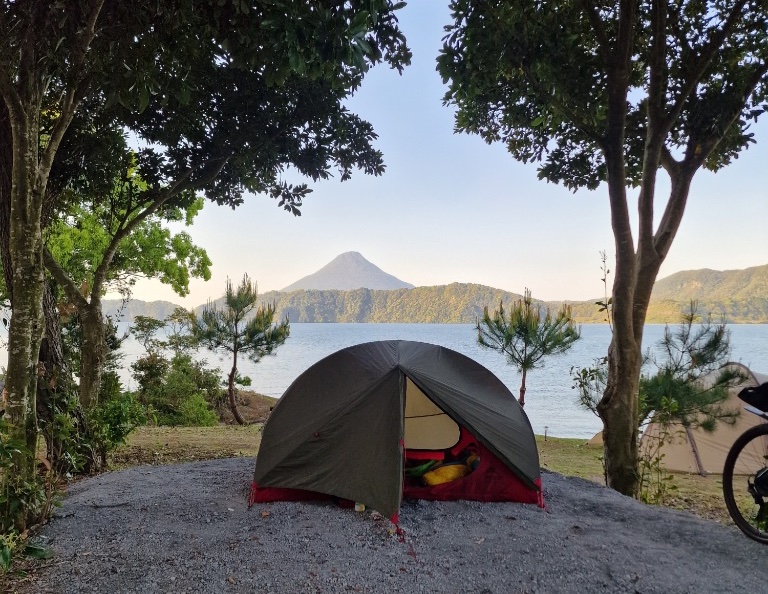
(237, 329)
(526, 337)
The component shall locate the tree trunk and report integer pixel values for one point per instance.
(92, 355)
(521, 399)
(618, 410)
(6, 166)
(27, 326)
(75, 454)
(231, 389)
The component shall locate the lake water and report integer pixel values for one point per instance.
(550, 401)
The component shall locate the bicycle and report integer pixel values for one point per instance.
(745, 474)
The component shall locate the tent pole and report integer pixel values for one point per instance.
(695, 449)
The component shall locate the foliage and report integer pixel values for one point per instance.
(692, 375)
(167, 387)
(113, 420)
(239, 327)
(548, 97)
(107, 242)
(190, 390)
(606, 305)
(69, 443)
(179, 390)
(687, 391)
(24, 500)
(72, 344)
(12, 544)
(224, 95)
(590, 383)
(614, 93)
(195, 411)
(179, 327)
(655, 481)
(149, 372)
(525, 337)
(144, 330)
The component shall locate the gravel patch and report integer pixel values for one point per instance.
(187, 528)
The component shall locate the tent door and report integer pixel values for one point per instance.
(427, 426)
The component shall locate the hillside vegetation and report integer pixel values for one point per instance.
(740, 296)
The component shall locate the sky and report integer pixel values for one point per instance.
(451, 208)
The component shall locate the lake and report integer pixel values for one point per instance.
(550, 401)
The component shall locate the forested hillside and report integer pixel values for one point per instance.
(447, 304)
(714, 285)
(463, 303)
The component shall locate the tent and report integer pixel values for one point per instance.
(350, 425)
(697, 451)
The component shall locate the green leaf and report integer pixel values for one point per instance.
(37, 552)
(5, 557)
(143, 99)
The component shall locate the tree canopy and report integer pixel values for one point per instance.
(614, 92)
(224, 96)
(542, 78)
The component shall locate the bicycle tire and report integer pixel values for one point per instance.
(747, 507)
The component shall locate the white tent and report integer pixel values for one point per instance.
(695, 450)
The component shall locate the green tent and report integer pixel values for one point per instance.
(347, 426)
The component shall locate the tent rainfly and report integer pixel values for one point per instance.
(354, 424)
(699, 451)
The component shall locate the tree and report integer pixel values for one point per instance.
(612, 93)
(526, 338)
(176, 72)
(238, 329)
(110, 240)
(144, 329)
(180, 325)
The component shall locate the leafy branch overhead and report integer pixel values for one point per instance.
(706, 82)
(222, 97)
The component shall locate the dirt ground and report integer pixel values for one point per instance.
(253, 407)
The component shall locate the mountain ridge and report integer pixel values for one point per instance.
(737, 296)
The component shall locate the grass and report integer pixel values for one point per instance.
(173, 445)
(572, 457)
(700, 495)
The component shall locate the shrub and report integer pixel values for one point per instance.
(194, 411)
(112, 421)
(185, 392)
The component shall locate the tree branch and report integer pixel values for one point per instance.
(696, 154)
(75, 92)
(668, 162)
(63, 280)
(618, 72)
(572, 116)
(9, 93)
(701, 64)
(127, 226)
(603, 45)
(655, 134)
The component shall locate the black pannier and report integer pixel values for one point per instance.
(756, 396)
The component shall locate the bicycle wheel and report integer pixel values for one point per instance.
(745, 483)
